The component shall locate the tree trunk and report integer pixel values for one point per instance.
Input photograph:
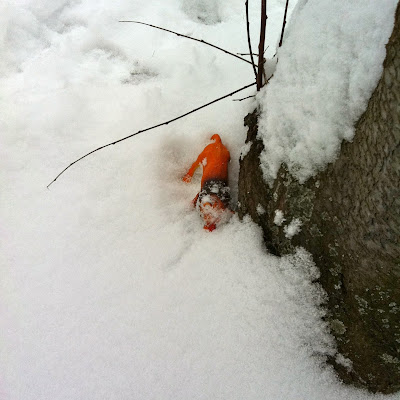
(350, 216)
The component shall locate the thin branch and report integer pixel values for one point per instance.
(284, 23)
(246, 54)
(249, 40)
(191, 38)
(261, 44)
(254, 54)
(147, 129)
(244, 98)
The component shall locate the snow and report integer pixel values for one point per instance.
(293, 228)
(110, 288)
(260, 209)
(279, 217)
(245, 149)
(329, 64)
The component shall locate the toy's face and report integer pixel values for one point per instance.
(211, 208)
(213, 211)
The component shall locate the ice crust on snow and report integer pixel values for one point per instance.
(329, 64)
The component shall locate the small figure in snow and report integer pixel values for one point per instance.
(213, 199)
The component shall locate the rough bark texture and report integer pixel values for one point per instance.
(350, 217)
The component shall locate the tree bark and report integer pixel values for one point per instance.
(350, 217)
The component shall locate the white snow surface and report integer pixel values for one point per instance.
(260, 209)
(279, 217)
(293, 228)
(329, 64)
(110, 288)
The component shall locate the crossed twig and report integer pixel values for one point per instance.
(257, 69)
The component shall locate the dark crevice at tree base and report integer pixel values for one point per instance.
(350, 214)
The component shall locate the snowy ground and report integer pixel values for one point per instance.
(110, 289)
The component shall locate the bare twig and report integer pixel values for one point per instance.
(244, 98)
(246, 54)
(249, 40)
(283, 23)
(261, 44)
(254, 54)
(147, 129)
(191, 38)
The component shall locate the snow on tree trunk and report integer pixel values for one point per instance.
(348, 217)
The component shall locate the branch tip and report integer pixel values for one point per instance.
(148, 129)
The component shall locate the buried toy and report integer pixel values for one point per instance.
(213, 199)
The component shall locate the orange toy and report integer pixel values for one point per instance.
(214, 196)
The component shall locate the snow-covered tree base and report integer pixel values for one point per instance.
(349, 218)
